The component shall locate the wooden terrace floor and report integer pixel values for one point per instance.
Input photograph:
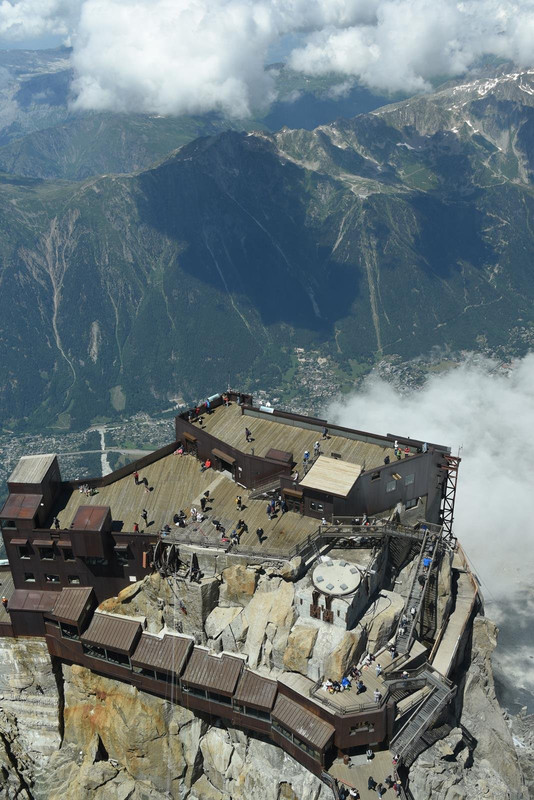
(348, 699)
(361, 770)
(176, 483)
(228, 424)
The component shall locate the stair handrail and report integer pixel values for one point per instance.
(426, 722)
(330, 781)
(408, 596)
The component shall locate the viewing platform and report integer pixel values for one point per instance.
(229, 423)
(176, 482)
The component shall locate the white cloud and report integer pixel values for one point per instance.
(31, 19)
(412, 41)
(186, 56)
(489, 415)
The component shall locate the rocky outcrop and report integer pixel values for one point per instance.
(270, 615)
(477, 760)
(299, 648)
(73, 733)
(29, 695)
(252, 769)
(121, 744)
(219, 619)
(444, 588)
(239, 584)
(139, 731)
(346, 653)
(381, 619)
(522, 728)
(16, 768)
(180, 605)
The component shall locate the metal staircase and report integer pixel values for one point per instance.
(265, 489)
(429, 610)
(406, 630)
(400, 552)
(407, 742)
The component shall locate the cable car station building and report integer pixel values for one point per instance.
(350, 510)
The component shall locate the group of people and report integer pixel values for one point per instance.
(391, 781)
(380, 789)
(337, 686)
(195, 415)
(180, 518)
(399, 452)
(86, 490)
(353, 674)
(275, 505)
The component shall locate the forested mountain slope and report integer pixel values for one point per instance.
(387, 233)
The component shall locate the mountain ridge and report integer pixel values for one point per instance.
(361, 239)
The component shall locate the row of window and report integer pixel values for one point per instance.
(29, 577)
(154, 674)
(362, 726)
(49, 554)
(121, 659)
(392, 485)
(104, 654)
(45, 553)
(221, 698)
(291, 737)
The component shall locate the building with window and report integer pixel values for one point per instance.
(377, 501)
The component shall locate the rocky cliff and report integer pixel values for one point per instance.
(66, 732)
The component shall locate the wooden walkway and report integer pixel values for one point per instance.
(228, 424)
(176, 482)
(357, 775)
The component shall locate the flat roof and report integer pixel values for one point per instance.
(21, 506)
(303, 723)
(271, 432)
(72, 603)
(177, 483)
(32, 600)
(117, 633)
(168, 652)
(215, 673)
(90, 518)
(32, 469)
(255, 690)
(332, 476)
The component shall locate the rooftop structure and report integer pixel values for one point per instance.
(336, 577)
(332, 476)
(338, 511)
(32, 469)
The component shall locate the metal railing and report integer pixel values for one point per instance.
(353, 707)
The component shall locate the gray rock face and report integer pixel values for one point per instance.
(98, 739)
(29, 695)
(486, 766)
